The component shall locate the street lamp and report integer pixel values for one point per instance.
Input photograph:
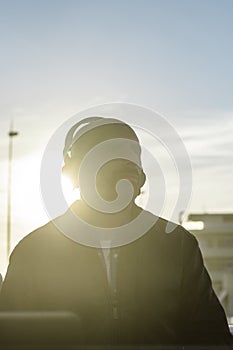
(11, 134)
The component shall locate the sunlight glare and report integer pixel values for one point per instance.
(69, 192)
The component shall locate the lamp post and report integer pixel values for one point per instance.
(11, 134)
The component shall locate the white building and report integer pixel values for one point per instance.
(214, 233)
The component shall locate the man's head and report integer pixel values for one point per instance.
(86, 136)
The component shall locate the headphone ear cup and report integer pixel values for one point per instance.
(70, 171)
(66, 166)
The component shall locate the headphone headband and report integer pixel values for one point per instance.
(82, 127)
(69, 141)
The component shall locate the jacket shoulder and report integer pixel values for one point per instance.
(172, 231)
(36, 242)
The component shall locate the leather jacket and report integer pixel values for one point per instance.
(162, 293)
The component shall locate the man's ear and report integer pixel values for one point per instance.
(142, 179)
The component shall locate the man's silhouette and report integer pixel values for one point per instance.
(154, 290)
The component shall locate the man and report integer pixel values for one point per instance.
(152, 290)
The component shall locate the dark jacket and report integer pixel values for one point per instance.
(163, 292)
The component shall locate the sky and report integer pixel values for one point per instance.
(60, 57)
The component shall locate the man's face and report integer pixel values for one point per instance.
(116, 169)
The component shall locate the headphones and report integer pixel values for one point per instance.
(74, 134)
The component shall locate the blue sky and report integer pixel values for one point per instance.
(170, 54)
(58, 57)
